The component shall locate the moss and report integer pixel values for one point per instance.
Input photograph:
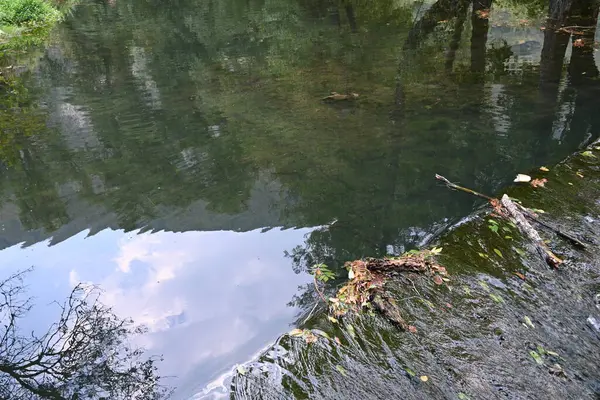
(25, 23)
(21, 12)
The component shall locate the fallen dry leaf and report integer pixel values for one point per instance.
(424, 378)
(309, 337)
(539, 182)
(483, 14)
(295, 332)
(520, 275)
(438, 280)
(412, 329)
(544, 169)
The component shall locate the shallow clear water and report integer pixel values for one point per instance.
(167, 147)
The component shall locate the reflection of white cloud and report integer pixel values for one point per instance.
(210, 299)
(73, 278)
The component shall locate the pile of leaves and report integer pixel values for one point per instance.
(367, 278)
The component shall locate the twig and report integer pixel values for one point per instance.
(527, 212)
(519, 217)
(318, 290)
(414, 287)
(461, 188)
(579, 26)
(310, 313)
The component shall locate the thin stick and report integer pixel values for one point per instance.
(528, 213)
(462, 189)
(310, 313)
(319, 291)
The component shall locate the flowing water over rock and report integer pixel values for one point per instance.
(185, 157)
(504, 326)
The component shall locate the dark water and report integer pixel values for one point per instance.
(163, 149)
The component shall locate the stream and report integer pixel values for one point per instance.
(184, 157)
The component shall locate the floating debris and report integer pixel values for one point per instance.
(335, 96)
(522, 178)
(366, 287)
(539, 182)
(528, 322)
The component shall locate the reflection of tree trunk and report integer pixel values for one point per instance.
(335, 17)
(555, 45)
(582, 67)
(583, 72)
(351, 17)
(440, 10)
(456, 35)
(480, 22)
(566, 17)
(551, 64)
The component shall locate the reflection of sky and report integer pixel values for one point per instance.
(210, 299)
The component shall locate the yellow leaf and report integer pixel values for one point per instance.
(544, 169)
(295, 332)
(424, 378)
(436, 250)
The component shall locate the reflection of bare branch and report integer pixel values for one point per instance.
(576, 29)
(83, 355)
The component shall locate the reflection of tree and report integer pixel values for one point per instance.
(575, 20)
(84, 355)
(385, 217)
(28, 151)
(480, 22)
(192, 110)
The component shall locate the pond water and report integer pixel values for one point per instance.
(183, 155)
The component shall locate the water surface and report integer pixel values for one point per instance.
(181, 155)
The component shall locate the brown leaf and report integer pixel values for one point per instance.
(539, 182)
(483, 14)
(448, 305)
(412, 329)
(309, 337)
(438, 280)
(520, 275)
(338, 96)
